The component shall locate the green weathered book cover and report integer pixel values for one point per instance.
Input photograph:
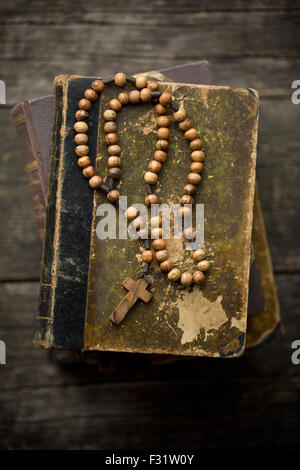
(211, 319)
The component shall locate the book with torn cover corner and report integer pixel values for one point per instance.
(82, 275)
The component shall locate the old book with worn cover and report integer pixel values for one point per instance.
(82, 276)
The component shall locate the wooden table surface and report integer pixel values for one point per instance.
(251, 401)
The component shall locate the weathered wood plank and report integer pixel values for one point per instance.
(202, 429)
(142, 399)
(268, 33)
(18, 305)
(138, 415)
(57, 11)
(41, 403)
(28, 63)
(271, 77)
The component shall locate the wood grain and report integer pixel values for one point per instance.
(252, 387)
(267, 46)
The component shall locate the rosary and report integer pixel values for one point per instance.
(145, 91)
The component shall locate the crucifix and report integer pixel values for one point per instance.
(137, 290)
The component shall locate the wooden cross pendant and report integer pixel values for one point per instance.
(137, 290)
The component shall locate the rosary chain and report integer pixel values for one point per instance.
(146, 91)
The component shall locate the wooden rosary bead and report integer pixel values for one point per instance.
(156, 233)
(166, 265)
(131, 213)
(162, 255)
(90, 94)
(174, 274)
(113, 195)
(196, 167)
(110, 127)
(186, 279)
(185, 211)
(150, 177)
(152, 85)
(189, 233)
(197, 156)
(139, 222)
(98, 86)
(115, 173)
(191, 134)
(198, 277)
(81, 115)
(179, 115)
(115, 105)
(193, 178)
(114, 150)
(81, 139)
(134, 96)
(95, 181)
(147, 256)
(141, 81)
(88, 172)
(163, 133)
(114, 161)
(199, 255)
(160, 109)
(156, 221)
(203, 265)
(163, 121)
(190, 189)
(159, 244)
(84, 162)
(143, 233)
(81, 150)
(146, 95)
(186, 199)
(120, 79)
(160, 156)
(154, 166)
(123, 98)
(111, 138)
(81, 127)
(162, 144)
(151, 199)
(84, 104)
(185, 125)
(109, 115)
(165, 98)
(196, 144)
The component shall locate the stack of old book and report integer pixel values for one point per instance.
(81, 276)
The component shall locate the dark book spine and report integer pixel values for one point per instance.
(23, 123)
(44, 327)
(65, 260)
